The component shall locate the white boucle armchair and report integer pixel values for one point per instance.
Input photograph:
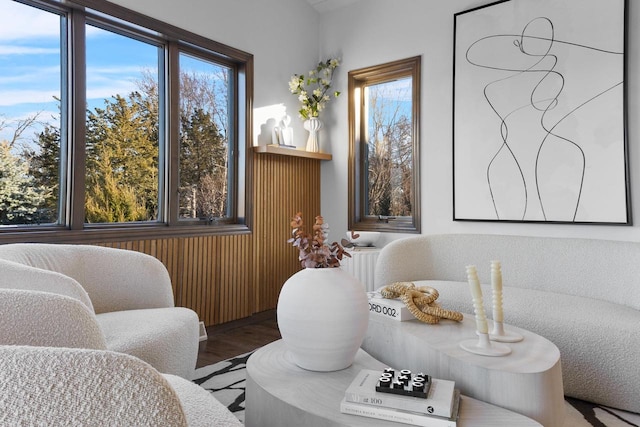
(128, 293)
(49, 386)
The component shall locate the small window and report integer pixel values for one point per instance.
(383, 142)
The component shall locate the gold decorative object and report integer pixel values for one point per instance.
(421, 302)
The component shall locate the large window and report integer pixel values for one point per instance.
(383, 132)
(112, 122)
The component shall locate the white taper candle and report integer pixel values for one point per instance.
(478, 306)
(496, 287)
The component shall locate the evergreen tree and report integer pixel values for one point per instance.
(20, 198)
(122, 155)
(121, 162)
(44, 167)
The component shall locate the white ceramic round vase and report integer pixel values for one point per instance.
(313, 125)
(323, 316)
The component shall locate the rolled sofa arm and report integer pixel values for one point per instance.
(47, 319)
(19, 276)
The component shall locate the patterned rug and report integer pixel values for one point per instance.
(226, 380)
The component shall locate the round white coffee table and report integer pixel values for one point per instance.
(527, 381)
(279, 393)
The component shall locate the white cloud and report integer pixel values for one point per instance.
(31, 75)
(134, 71)
(107, 91)
(26, 50)
(23, 22)
(15, 97)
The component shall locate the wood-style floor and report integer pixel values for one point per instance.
(238, 337)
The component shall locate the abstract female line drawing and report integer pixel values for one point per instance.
(539, 114)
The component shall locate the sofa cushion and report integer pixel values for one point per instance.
(588, 333)
(166, 338)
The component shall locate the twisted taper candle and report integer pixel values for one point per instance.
(496, 287)
(478, 306)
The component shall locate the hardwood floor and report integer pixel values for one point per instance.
(237, 337)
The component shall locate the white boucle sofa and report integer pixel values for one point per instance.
(127, 295)
(581, 294)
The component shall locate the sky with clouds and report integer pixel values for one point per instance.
(30, 58)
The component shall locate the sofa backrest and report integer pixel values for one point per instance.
(115, 279)
(62, 386)
(600, 269)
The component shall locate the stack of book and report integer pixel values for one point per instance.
(438, 408)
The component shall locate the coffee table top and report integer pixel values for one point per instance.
(533, 354)
(280, 393)
(527, 381)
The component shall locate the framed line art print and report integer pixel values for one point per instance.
(539, 114)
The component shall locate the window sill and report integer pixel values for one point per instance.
(114, 233)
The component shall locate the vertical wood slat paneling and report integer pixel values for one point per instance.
(284, 186)
(224, 278)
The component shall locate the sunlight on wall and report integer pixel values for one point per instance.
(264, 120)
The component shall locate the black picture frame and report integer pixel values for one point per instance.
(539, 112)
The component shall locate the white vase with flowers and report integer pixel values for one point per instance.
(313, 92)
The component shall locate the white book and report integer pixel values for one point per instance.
(439, 400)
(390, 308)
(399, 416)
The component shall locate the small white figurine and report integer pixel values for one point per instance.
(286, 132)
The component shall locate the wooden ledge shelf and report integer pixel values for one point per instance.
(271, 149)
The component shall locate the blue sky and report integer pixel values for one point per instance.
(30, 58)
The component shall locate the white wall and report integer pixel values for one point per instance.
(282, 35)
(371, 32)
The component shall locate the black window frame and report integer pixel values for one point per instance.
(173, 40)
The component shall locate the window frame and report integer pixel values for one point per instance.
(356, 81)
(173, 41)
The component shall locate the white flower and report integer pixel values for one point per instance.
(312, 89)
